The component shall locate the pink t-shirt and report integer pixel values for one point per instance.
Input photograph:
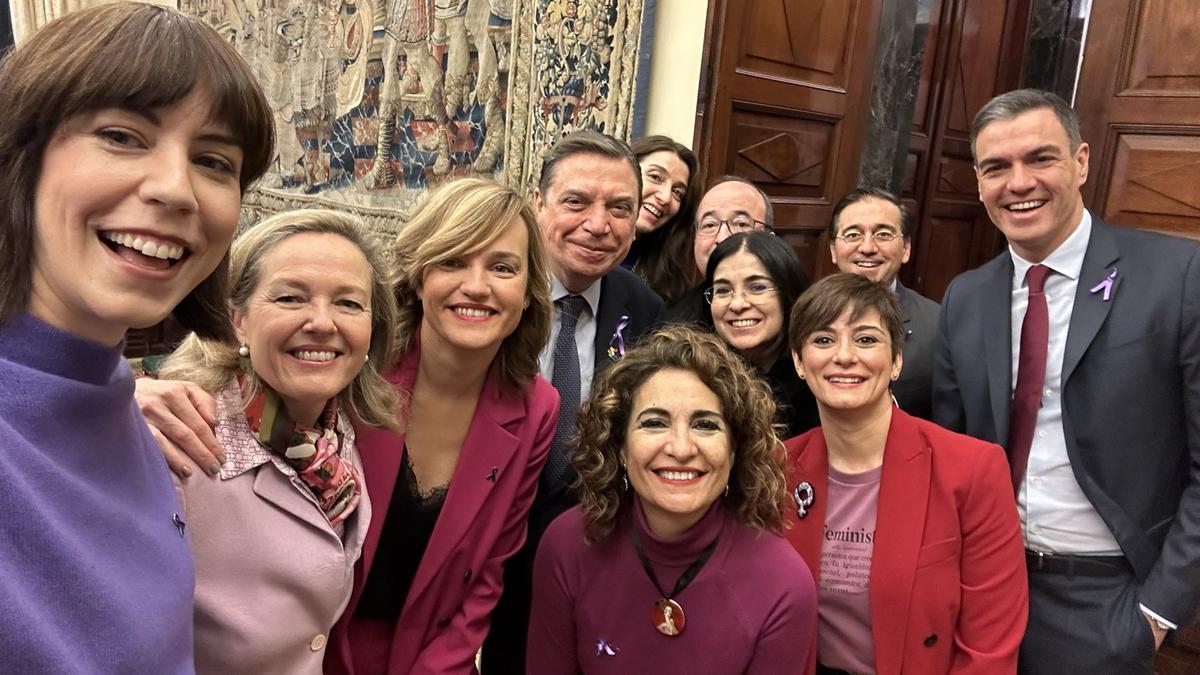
(844, 631)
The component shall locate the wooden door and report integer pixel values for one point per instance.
(785, 106)
(973, 51)
(1139, 103)
(1138, 99)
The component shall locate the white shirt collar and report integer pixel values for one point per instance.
(1066, 260)
(591, 294)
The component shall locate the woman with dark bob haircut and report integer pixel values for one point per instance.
(671, 187)
(752, 280)
(674, 555)
(127, 136)
(911, 530)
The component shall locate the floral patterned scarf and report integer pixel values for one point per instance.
(315, 453)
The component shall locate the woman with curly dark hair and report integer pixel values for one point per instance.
(675, 547)
(671, 188)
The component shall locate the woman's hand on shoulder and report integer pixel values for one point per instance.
(182, 416)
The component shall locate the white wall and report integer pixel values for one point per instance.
(675, 68)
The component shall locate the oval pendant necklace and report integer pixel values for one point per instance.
(666, 614)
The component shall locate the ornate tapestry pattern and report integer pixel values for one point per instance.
(377, 101)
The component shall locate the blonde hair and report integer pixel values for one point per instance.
(460, 218)
(213, 364)
(757, 484)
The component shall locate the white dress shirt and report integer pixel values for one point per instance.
(585, 335)
(1056, 515)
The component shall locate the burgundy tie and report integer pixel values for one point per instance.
(1031, 374)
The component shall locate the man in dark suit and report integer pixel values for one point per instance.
(587, 203)
(1078, 349)
(869, 236)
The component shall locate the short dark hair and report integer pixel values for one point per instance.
(769, 210)
(780, 261)
(665, 255)
(1008, 105)
(757, 487)
(121, 55)
(587, 142)
(863, 194)
(829, 298)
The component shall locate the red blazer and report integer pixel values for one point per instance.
(948, 589)
(482, 523)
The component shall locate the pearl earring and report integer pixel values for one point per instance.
(244, 350)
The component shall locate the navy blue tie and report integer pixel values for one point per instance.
(567, 381)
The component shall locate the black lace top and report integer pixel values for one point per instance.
(411, 517)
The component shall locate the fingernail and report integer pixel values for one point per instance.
(186, 471)
(214, 469)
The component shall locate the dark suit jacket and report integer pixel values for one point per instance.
(482, 522)
(914, 389)
(1130, 394)
(948, 591)
(622, 294)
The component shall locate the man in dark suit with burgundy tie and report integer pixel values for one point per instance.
(587, 205)
(1078, 349)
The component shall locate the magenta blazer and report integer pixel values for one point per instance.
(481, 524)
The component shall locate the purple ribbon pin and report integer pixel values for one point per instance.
(616, 344)
(602, 647)
(1106, 285)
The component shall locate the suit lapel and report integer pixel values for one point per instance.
(275, 487)
(1090, 309)
(996, 308)
(613, 302)
(381, 452)
(809, 463)
(486, 453)
(899, 531)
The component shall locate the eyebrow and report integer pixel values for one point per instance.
(752, 277)
(739, 212)
(208, 136)
(697, 413)
(300, 285)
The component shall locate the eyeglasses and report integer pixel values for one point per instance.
(723, 294)
(855, 237)
(708, 227)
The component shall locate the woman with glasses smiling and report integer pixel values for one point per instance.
(753, 278)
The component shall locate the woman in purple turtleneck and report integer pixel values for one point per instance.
(124, 161)
(673, 562)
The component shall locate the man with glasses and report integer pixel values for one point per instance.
(733, 204)
(868, 236)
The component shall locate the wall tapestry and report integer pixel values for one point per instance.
(377, 101)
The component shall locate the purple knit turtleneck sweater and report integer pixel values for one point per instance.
(751, 609)
(95, 575)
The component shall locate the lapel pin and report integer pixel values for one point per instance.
(602, 647)
(804, 496)
(616, 344)
(179, 524)
(1106, 285)
(492, 474)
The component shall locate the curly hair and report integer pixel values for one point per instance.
(459, 218)
(757, 487)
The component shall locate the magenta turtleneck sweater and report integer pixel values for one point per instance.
(751, 609)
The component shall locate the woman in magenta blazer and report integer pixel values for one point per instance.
(451, 493)
(911, 530)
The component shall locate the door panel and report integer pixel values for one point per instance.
(788, 106)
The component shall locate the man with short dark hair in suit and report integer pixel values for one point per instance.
(1078, 349)
(869, 236)
(587, 203)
